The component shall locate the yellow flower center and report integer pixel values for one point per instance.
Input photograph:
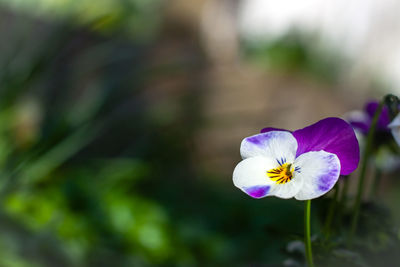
(281, 174)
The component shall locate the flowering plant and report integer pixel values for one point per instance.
(361, 120)
(304, 164)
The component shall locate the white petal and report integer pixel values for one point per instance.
(319, 172)
(287, 190)
(280, 145)
(250, 175)
(395, 127)
(358, 116)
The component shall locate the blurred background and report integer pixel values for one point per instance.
(121, 121)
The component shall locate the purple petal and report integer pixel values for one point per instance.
(269, 129)
(384, 118)
(363, 127)
(371, 107)
(257, 191)
(332, 135)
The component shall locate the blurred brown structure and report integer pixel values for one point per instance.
(241, 98)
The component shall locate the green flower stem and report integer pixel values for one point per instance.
(331, 212)
(345, 190)
(377, 182)
(343, 199)
(363, 169)
(307, 233)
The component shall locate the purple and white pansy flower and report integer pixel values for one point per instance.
(361, 120)
(303, 164)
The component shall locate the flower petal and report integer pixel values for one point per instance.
(287, 190)
(275, 144)
(319, 172)
(395, 128)
(384, 118)
(250, 175)
(269, 129)
(359, 120)
(332, 135)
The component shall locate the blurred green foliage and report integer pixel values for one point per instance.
(130, 17)
(297, 52)
(95, 156)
